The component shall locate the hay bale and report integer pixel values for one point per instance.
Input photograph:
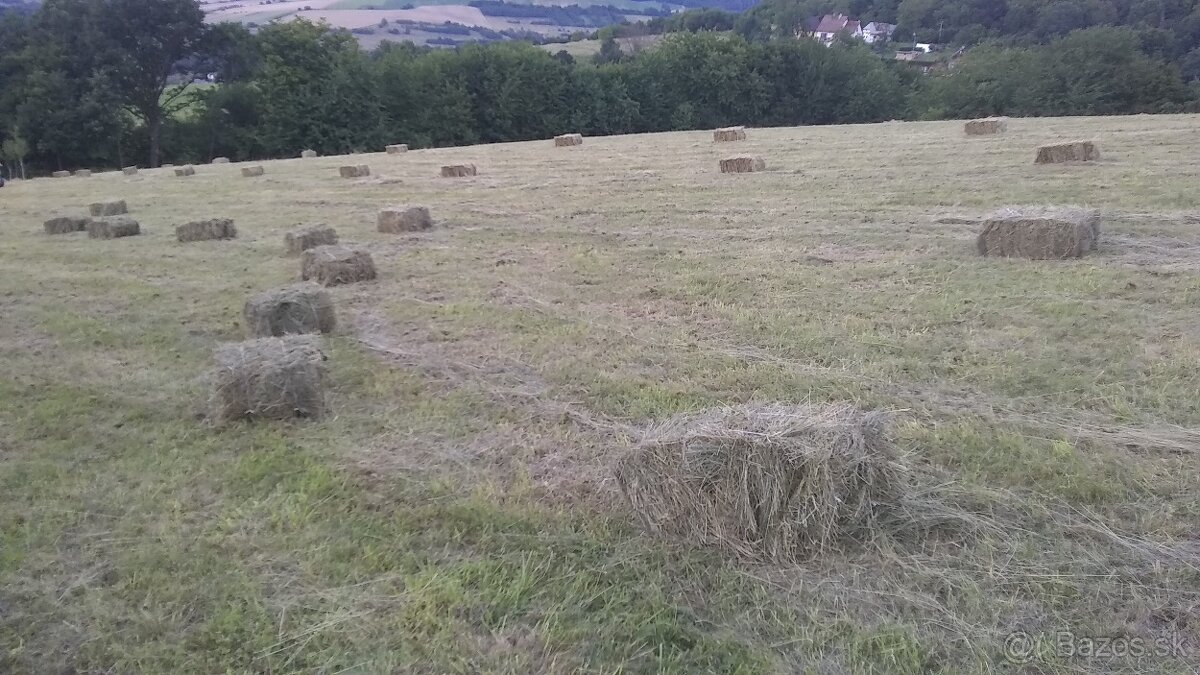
(742, 164)
(404, 219)
(188, 170)
(1040, 233)
(83, 173)
(112, 227)
(112, 207)
(567, 140)
(299, 308)
(308, 154)
(66, 224)
(336, 265)
(205, 230)
(299, 241)
(166, 166)
(396, 149)
(458, 171)
(1075, 151)
(986, 126)
(358, 171)
(269, 378)
(130, 170)
(61, 174)
(784, 482)
(727, 134)
(252, 171)
(220, 160)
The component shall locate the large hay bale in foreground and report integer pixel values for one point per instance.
(112, 207)
(83, 173)
(1040, 233)
(727, 134)
(299, 241)
(269, 378)
(568, 140)
(1075, 151)
(986, 126)
(742, 164)
(397, 149)
(306, 154)
(778, 481)
(336, 265)
(66, 224)
(220, 160)
(112, 227)
(252, 171)
(458, 171)
(188, 170)
(61, 174)
(404, 219)
(205, 230)
(291, 310)
(357, 171)
(130, 170)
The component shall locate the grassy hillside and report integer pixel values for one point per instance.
(455, 511)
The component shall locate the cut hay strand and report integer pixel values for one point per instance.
(458, 171)
(205, 230)
(404, 219)
(112, 227)
(185, 171)
(130, 170)
(742, 164)
(986, 126)
(299, 241)
(1075, 151)
(727, 134)
(269, 378)
(307, 154)
(1040, 233)
(568, 140)
(784, 482)
(220, 160)
(396, 149)
(291, 310)
(336, 265)
(83, 173)
(112, 207)
(357, 171)
(61, 174)
(66, 224)
(252, 171)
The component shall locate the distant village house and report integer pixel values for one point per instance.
(826, 28)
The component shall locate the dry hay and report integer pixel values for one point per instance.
(112, 207)
(130, 170)
(358, 171)
(308, 153)
(252, 171)
(166, 166)
(83, 173)
(269, 378)
(291, 310)
(1040, 233)
(1075, 151)
(112, 227)
(220, 160)
(335, 265)
(204, 230)
(188, 170)
(742, 164)
(458, 171)
(61, 174)
(66, 224)
(986, 126)
(783, 482)
(567, 140)
(404, 219)
(396, 149)
(726, 134)
(299, 241)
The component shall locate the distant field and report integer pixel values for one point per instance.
(588, 48)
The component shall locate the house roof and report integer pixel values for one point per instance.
(833, 23)
(880, 27)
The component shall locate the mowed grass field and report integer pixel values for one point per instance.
(455, 513)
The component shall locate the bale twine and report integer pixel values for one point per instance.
(269, 378)
(986, 126)
(308, 154)
(205, 230)
(742, 164)
(567, 140)
(66, 224)
(188, 170)
(83, 173)
(1075, 151)
(130, 170)
(112, 227)
(336, 265)
(783, 482)
(252, 171)
(404, 219)
(1040, 233)
(61, 174)
(358, 171)
(726, 134)
(397, 149)
(296, 309)
(299, 241)
(112, 207)
(458, 171)
(220, 160)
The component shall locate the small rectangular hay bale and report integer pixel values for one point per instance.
(404, 219)
(269, 378)
(83, 173)
(357, 171)
(396, 149)
(220, 160)
(305, 307)
(742, 164)
(567, 140)
(66, 224)
(205, 230)
(61, 174)
(986, 126)
(1040, 233)
(1075, 151)
(458, 170)
(300, 240)
(336, 265)
(306, 154)
(727, 134)
(130, 170)
(112, 207)
(252, 171)
(188, 170)
(112, 227)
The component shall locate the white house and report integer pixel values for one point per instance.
(832, 25)
(877, 31)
